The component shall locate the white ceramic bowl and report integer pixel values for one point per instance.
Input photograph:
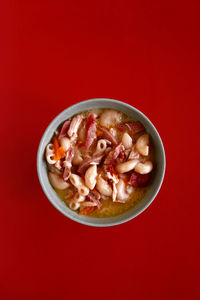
(159, 162)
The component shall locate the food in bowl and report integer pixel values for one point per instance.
(100, 162)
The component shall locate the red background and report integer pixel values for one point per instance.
(54, 54)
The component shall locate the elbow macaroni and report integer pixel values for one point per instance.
(50, 154)
(103, 187)
(126, 166)
(142, 144)
(144, 168)
(109, 118)
(127, 140)
(79, 198)
(101, 146)
(57, 182)
(77, 158)
(74, 205)
(90, 177)
(78, 182)
(76, 202)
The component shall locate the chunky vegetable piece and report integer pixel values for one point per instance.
(58, 150)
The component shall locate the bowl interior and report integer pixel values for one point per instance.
(159, 161)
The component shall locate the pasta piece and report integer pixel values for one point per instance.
(68, 163)
(90, 177)
(144, 168)
(53, 169)
(79, 198)
(122, 195)
(50, 154)
(110, 118)
(78, 182)
(142, 144)
(103, 187)
(126, 166)
(65, 143)
(101, 146)
(77, 160)
(127, 141)
(74, 205)
(57, 182)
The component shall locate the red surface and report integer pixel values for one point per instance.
(53, 54)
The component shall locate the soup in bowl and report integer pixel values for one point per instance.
(101, 162)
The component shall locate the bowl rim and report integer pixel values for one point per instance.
(84, 222)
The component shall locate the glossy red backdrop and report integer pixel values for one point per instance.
(53, 54)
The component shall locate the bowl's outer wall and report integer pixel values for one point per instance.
(159, 161)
